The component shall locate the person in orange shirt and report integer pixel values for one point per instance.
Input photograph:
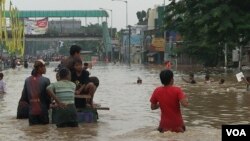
(168, 65)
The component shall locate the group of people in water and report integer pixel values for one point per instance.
(207, 79)
(169, 97)
(73, 90)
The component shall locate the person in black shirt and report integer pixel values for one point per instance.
(84, 87)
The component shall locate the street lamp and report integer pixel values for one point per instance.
(111, 24)
(125, 1)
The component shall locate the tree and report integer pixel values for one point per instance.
(143, 14)
(139, 16)
(142, 17)
(206, 25)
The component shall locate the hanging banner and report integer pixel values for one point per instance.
(35, 27)
(158, 44)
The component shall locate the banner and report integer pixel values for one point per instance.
(158, 44)
(35, 27)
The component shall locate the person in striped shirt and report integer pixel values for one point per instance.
(63, 92)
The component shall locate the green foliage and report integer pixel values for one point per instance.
(143, 14)
(139, 16)
(142, 17)
(204, 24)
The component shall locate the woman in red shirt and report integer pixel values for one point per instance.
(168, 99)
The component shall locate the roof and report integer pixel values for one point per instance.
(61, 13)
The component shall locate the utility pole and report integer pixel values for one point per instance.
(1, 63)
(126, 2)
(240, 58)
(240, 55)
(225, 53)
(165, 47)
(125, 46)
(129, 35)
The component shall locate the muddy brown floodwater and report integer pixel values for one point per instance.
(130, 117)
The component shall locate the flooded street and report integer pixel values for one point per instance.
(130, 117)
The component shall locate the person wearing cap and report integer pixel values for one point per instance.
(2, 84)
(34, 95)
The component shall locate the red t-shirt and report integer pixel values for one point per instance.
(169, 98)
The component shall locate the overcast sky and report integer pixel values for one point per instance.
(118, 8)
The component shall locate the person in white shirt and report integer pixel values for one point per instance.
(2, 84)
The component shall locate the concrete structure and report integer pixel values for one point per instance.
(61, 30)
(65, 26)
